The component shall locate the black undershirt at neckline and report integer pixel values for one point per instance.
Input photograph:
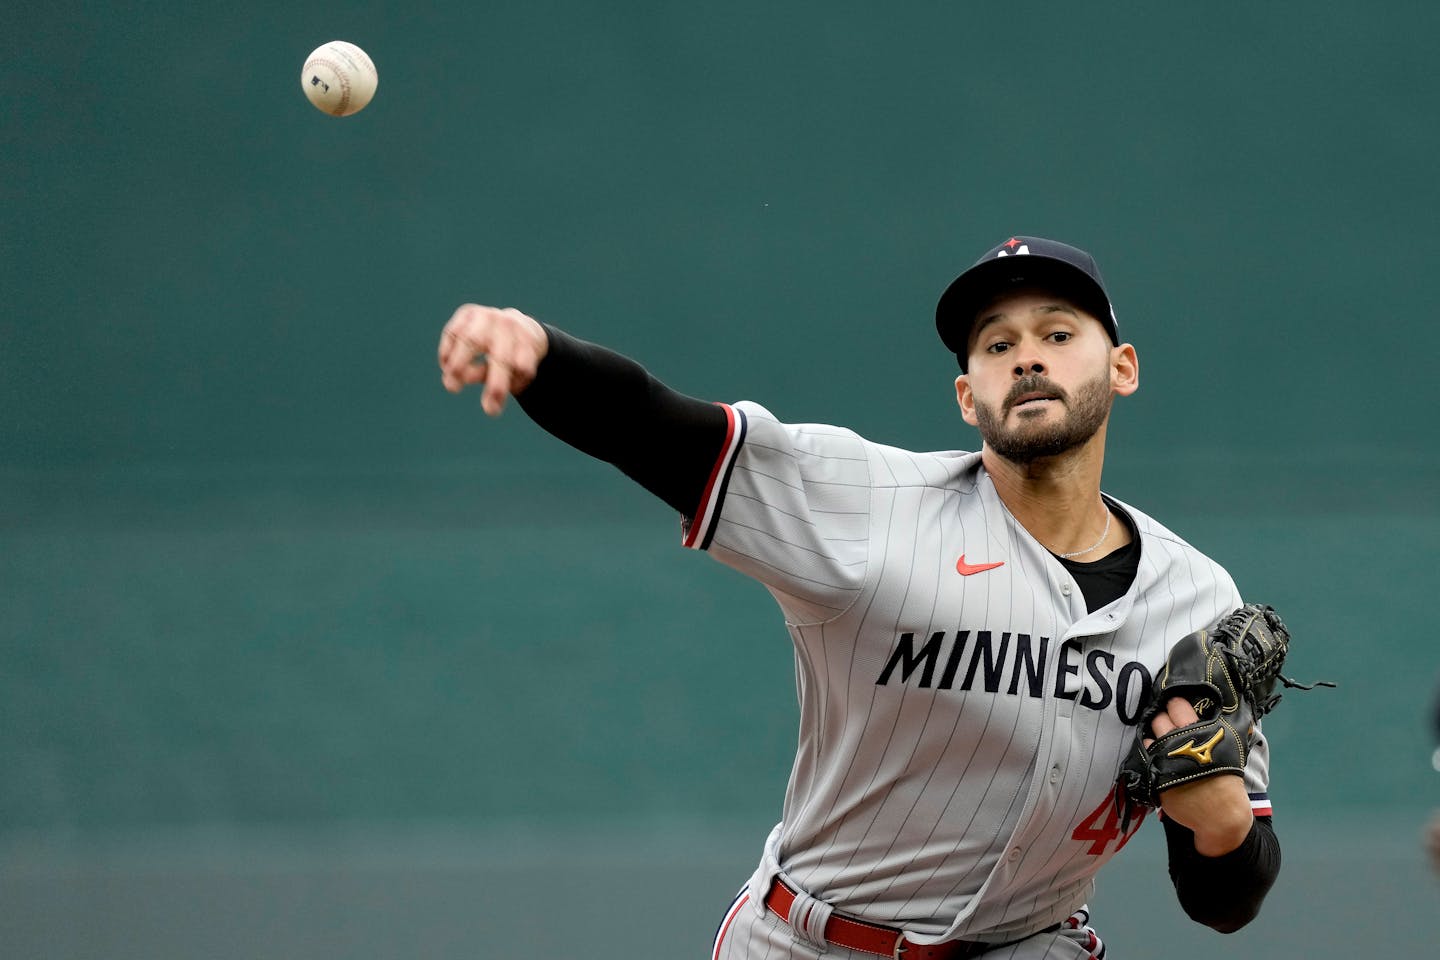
(1106, 580)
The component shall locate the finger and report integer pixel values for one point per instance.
(470, 376)
(447, 339)
(475, 373)
(1178, 713)
(467, 337)
(498, 363)
(1182, 712)
(455, 378)
(449, 334)
(465, 346)
(497, 387)
(449, 344)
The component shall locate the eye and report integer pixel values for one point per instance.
(1060, 336)
(999, 346)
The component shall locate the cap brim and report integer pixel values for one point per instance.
(982, 283)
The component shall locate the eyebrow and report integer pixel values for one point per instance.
(985, 321)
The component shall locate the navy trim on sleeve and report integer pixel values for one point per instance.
(718, 496)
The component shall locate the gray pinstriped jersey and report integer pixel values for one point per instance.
(959, 731)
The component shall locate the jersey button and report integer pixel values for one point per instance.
(1055, 774)
(1065, 589)
(1014, 854)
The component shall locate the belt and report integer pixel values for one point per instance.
(876, 939)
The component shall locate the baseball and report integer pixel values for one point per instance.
(339, 78)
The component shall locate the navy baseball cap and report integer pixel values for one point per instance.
(1021, 262)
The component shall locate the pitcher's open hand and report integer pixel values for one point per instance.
(500, 348)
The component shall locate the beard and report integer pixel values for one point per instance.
(1085, 413)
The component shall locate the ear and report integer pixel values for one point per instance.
(1124, 370)
(965, 397)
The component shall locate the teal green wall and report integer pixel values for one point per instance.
(259, 572)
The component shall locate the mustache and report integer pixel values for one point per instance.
(1035, 383)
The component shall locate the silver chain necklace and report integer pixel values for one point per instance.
(1105, 533)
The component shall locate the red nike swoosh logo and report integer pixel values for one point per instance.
(965, 569)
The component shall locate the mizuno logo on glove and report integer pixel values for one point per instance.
(1201, 755)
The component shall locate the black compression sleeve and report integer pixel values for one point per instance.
(1223, 892)
(610, 407)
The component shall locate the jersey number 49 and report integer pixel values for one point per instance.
(1102, 827)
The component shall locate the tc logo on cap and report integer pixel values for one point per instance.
(1012, 243)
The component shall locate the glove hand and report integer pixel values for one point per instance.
(1216, 809)
(1226, 674)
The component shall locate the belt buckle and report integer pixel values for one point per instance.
(899, 952)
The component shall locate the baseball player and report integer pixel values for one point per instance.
(975, 634)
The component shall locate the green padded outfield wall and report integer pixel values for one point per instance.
(302, 656)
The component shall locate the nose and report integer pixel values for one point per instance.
(1029, 357)
(1027, 366)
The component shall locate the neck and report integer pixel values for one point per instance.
(1057, 499)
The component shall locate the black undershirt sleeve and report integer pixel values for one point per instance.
(1223, 892)
(609, 406)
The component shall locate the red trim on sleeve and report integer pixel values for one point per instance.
(695, 529)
